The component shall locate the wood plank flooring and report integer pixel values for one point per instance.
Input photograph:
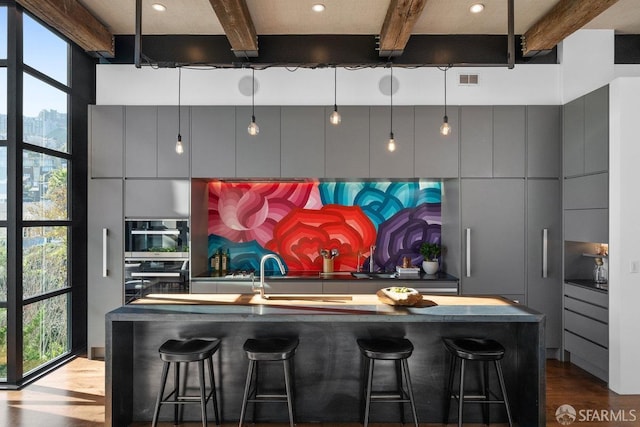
(73, 396)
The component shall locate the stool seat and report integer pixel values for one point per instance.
(475, 348)
(188, 350)
(385, 348)
(270, 348)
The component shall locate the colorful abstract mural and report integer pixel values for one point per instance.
(298, 220)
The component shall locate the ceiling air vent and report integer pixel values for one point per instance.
(468, 79)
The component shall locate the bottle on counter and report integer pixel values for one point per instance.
(224, 262)
(215, 263)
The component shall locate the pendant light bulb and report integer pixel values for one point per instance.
(179, 147)
(445, 129)
(391, 146)
(253, 127)
(334, 117)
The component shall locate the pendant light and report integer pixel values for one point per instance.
(445, 128)
(253, 127)
(391, 146)
(334, 117)
(179, 147)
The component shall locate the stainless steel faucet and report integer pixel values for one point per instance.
(263, 260)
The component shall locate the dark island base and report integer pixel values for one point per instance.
(327, 369)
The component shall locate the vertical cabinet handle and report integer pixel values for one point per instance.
(468, 237)
(545, 252)
(105, 233)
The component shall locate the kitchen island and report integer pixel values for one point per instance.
(327, 363)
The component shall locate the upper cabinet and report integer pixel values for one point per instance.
(171, 164)
(586, 134)
(509, 141)
(544, 141)
(302, 142)
(436, 156)
(476, 142)
(347, 145)
(106, 131)
(213, 142)
(398, 163)
(258, 156)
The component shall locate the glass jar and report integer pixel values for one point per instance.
(599, 272)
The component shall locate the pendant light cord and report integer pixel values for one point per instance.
(253, 94)
(445, 86)
(179, 88)
(391, 88)
(335, 88)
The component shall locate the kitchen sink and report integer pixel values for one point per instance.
(368, 275)
(321, 298)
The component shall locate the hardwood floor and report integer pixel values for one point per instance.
(73, 396)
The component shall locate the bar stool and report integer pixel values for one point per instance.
(398, 350)
(475, 350)
(185, 351)
(263, 350)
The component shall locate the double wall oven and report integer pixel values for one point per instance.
(156, 257)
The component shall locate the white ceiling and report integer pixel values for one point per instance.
(345, 16)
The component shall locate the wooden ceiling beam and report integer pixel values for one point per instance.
(563, 19)
(75, 22)
(398, 24)
(237, 24)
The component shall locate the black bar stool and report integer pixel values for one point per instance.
(398, 350)
(185, 351)
(475, 350)
(263, 350)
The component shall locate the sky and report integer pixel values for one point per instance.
(43, 51)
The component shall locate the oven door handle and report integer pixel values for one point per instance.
(156, 274)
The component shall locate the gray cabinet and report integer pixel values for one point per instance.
(586, 329)
(544, 141)
(509, 141)
(213, 142)
(141, 135)
(544, 255)
(156, 198)
(573, 137)
(435, 155)
(586, 225)
(105, 248)
(596, 130)
(587, 192)
(493, 228)
(258, 156)
(347, 145)
(302, 143)
(106, 141)
(476, 141)
(170, 163)
(399, 163)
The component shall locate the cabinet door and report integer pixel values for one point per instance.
(104, 288)
(399, 163)
(436, 155)
(476, 141)
(544, 255)
(170, 163)
(258, 156)
(544, 141)
(106, 131)
(141, 142)
(213, 142)
(302, 142)
(596, 131)
(573, 137)
(586, 225)
(493, 231)
(508, 141)
(156, 198)
(347, 145)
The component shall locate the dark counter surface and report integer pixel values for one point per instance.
(589, 284)
(338, 275)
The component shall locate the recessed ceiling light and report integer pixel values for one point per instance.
(476, 8)
(159, 7)
(318, 7)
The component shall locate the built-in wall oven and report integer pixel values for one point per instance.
(156, 257)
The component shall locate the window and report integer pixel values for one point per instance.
(45, 331)
(44, 114)
(44, 260)
(44, 187)
(44, 51)
(3, 33)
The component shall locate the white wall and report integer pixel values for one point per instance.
(526, 84)
(624, 235)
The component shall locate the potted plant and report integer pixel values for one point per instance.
(430, 252)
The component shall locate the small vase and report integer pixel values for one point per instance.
(430, 267)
